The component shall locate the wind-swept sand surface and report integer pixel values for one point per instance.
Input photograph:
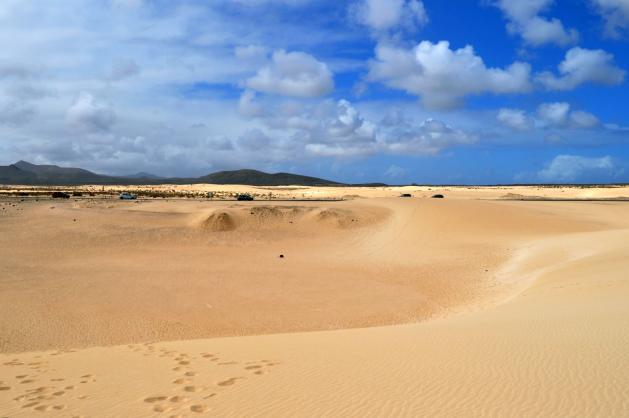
(433, 307)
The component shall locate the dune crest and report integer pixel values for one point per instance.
(219, 221)
(280, 217)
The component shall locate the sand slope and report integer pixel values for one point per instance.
(97, 273)
(543, 332)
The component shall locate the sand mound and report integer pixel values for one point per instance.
(219, 222)
(267, 212)
(278, 217)
(337, 218)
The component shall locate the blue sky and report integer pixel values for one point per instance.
(398, 91)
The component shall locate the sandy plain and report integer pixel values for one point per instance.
(490, 302)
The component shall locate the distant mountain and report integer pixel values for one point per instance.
(26, 173)
(143, 175)
(259, 178)
(13, 175)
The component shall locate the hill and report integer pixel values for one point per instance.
(54, 174)
(260, 178)
(26, 173)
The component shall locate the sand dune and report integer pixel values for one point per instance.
(526, 301)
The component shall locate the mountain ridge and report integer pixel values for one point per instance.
(23, 172)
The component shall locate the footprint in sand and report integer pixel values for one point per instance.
(258, 368)
(191, 389)
(178, 399)
(190, 374)
(40, 389)
(199, 408)
(229, 381)
(43, 408)
(5, 388)
(154, 399)
(160, 408)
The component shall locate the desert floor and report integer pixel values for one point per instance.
(479, 304)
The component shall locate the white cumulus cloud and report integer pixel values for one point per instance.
(294, 74)
(441, 76)
(86, 112)
(581, 119)
(555, 115)
(338, 129)
(582, 66)
(385, 15)
(525, 20)
(616, 15)
(515, 119)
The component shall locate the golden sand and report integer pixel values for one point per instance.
(471, 305)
